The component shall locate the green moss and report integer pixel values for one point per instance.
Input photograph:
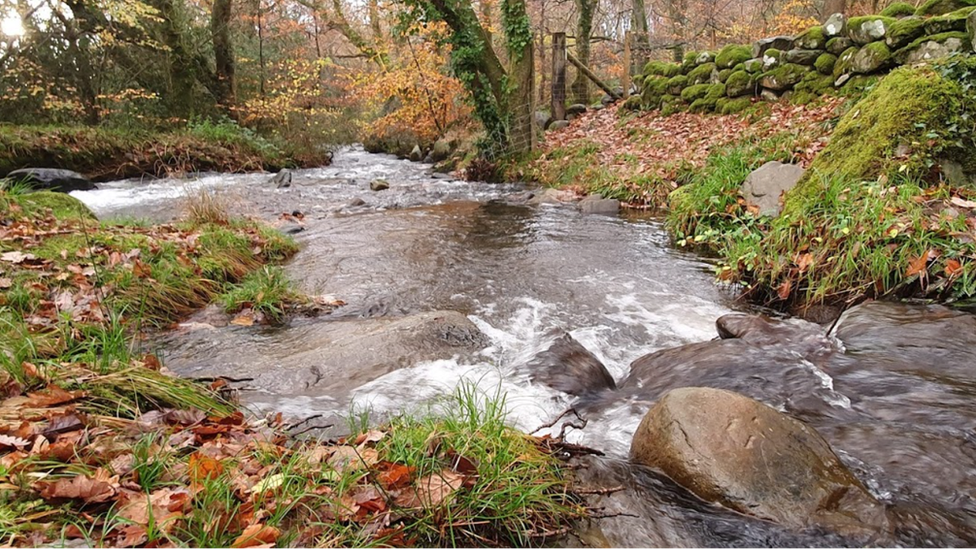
(838, 44)
(723, 75)
(904, 31)
(901, 55)
(740, 83)
(954, 21)
(676, 84)
(815, 84)
(773, 53)
(701, 73)
(812, 39)
(843, 64)
(803, 97)
(689, 62)
(901, 109)
(941, 7)
(660, 68)
(871, 58)
(697, 91)
(732, 55)
(783, 77)
(753, 66)
(653, 88)
(825, 63)
(735, 106)
(63, 206)
(633, 103)
(671, 104)
(899, 9)
(858, 28)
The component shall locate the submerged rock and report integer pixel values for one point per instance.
(595, 204)
(733, 450)
(50, 179)
(282, 179)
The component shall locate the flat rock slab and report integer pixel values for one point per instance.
(764, 186)
(733, 450)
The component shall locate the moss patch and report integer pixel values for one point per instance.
(904, 31)
(693, 93)
(701, 74)
(783, 77)
(941, 7)
(812, 39)
(732, 55)
(825, 63)
(899, 9)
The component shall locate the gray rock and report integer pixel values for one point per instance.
(868, 31)
(558, 125)
(379, 185)
(803, 57)
(51, 179)
(835, 25)
(282, 179)
(356, 202)
(429, 159)
(416, 154)
(569, 367)
(930, 51)
(769, 96)
(705, 57)
(575, 109)
(552, 196)
(542, 119)
(842, 80)
(753, 65)
(839, 45)
(730, 449)
(441, 150)
(595, 204)
(764, 186)
(871, 59)
(781, 43)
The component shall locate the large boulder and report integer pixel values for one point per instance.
(867, 29)
(784, 77)
(282, 179)
(781, 43)
(733, 450)
(928, 50)
(51, 179)
(569, 367)
(416, 154)
(542, 120)
(971, 29)
(871, 58)
(764, 186)
(835, 25)
(441, 150)
(803, 57)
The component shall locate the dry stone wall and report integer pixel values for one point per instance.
(842, 54)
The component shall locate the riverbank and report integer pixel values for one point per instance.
(885, 208)
(104, 154)
(99, 443)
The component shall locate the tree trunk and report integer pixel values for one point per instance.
(638, 30)
(580, 90)
(834, 6)
(223, 53)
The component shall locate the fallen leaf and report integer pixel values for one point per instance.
(395, 475)
(203, 467)
(963, 203)
(16, 257)
(953, 267)
(268, 484)
(804, 261)
(918, 266)
(97, 489)
(785, 288)
(53, 396)
(5, 283)
(432, 490)
(244, 318)
(257, 535)
(63, 424)
(9, 442)
(369, 436)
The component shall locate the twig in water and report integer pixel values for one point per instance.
(600, 491)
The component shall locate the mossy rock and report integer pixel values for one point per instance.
(660, 68)
(843, 64)
(825, 63)
(734, 106)
(633, 103)
(873, 57)
(705, 57)
(815, 83)
(732, 55)
(899, 9)
(950, 22)
(671, 104)
(740, 67)
(839, 45)
(869, 28)
(701, 74)
(677, 83)
(904, 31)
(942, 7)
(902, 108)
(63, 206)
(930, 48)
(655, 85)
(802, 97)
(723, 75)
(783, 77)
(753, 66)
(812, 39)
(740, 83)
(689, 62)
(858, 84)
(708, 102)
(694, 92)
(802, 57)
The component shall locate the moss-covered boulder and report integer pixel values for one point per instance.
(633, 103)
(753, 66)
(843, 64)
(771, 59)
(942, 7)
(677, 83)
(825, 63)
(732, 55)
(869, 28)
(702, 74)
(653, 88)
(812, 39)
(62, 206)
(899, 9)
(871, 58)
(971, 29)
(660, 68)
(783, 77)
(782, 43)
(839, 45)
(723, 75)
(950, 22)
(734, 106)
(814, 83)
(671, 104)
(740, 83)
(689, 62)
(904, 31)
(694, 92)
(931, 48)
(705, 57)
(901, 109)
(802, 57)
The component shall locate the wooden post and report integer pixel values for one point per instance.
(625, 81)
(589, 74)
(559, 76)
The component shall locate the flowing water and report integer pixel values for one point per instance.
(524, 275)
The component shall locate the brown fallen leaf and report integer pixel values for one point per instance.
(394, 475)
(53, 395)
(785, 288)
(16, 257)
(257, 535)
(244, 318)
(97, 489)
(963, 203)
(9, 442)
(953, 267)
(203, 467)
(431, 491)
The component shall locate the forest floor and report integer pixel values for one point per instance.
(100, 446)
(104, 154)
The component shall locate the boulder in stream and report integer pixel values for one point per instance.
(50, 179)
(569, 367)
(379, 185)
(282, 179)
(730, 449)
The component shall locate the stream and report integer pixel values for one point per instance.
(450, 283)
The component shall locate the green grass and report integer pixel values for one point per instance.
(266, 290)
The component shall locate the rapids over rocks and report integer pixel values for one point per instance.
(448, 282)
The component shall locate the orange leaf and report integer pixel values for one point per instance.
(204, 467)
(918, 265)
(257, 535)
(785, 288)
(953, 267)
(97, 489)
